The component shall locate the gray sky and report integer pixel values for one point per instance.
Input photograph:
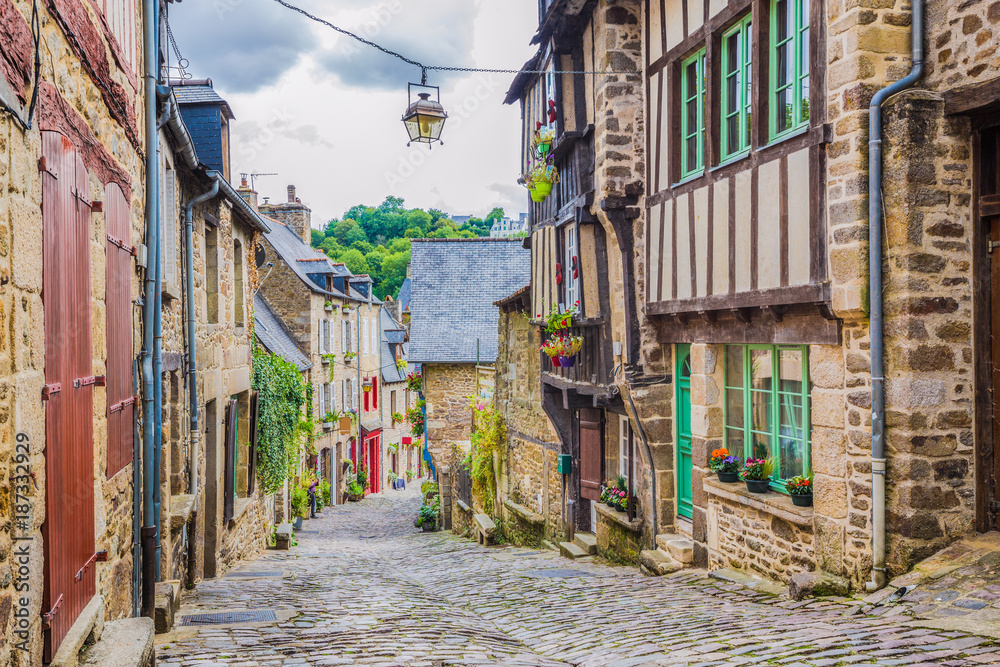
(323, 111)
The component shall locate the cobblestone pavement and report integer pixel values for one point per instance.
(365, 588)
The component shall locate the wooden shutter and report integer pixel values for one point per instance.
(333, 397)
(319, 336)
(322, 400)
(229, 480)
(343, 336)
(366, 393)
(374, 393)
(252, 454)
(68, 531)
(118, 297)
(591, 453)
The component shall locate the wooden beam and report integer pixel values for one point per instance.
(977, 98)
(784, 296)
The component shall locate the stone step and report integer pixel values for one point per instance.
(548, 545)
(571, 550)
(658, 562)
(124, 643)
(586, 541)
(680, 548)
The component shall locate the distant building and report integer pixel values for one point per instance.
(506, 227)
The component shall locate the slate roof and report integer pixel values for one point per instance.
(200, 92)
(392, 334)
(405, 294)
(290, 247)
(273, 335)
(455, 284)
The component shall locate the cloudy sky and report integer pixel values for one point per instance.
(323, 111)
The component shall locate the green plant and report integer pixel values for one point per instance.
(427, 488)
(355, 489)
(429, 513)
(401, 365)
(557, 321)
(800, 486)
(329, 417)
(324, 490)
(350, 355)
(281, 393)
(362, 476)
(397, 418)
(300, 502)
(409, 475)
(329, 305)
(415, 381)
(488, 439)
(392, 477)
(757, 470)
(415, 416)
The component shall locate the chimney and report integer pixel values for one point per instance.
(293, 213)
(291, 195)
(248, 195)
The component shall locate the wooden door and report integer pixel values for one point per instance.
(591, 452)
(229, 478)
(684, 489)
(68, 531)
(988, 204)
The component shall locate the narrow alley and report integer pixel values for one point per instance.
(363, 587)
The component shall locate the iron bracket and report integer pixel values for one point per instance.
(130, 249)
(100, 556)
(50, 389)
(49, 615)
(990, 245)
(99, 380)
(122, 404)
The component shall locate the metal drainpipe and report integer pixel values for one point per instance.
(136, 501)
(150, 16)
(192, 354)
(878, 461)
(158, 404)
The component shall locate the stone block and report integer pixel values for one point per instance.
(125, 643)
(828, 408)
(826, 366)
(830, 496)
(658, 563)
(829, 451)
(817, 584)
(283, 537)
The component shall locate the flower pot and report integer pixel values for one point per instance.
(567, 362)
(355, 497)
(543, 189)
(729, 477)
(328, 309)
(758, 485)
(327, 426)
(544, 147)
(427, 529)
(556, 363)
(802, 499)
(297, 525)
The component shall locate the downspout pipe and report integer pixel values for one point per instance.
(875, 223)
(192, 361)
(150, 27)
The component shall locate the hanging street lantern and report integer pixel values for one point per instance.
(424, 119)
(367, 384)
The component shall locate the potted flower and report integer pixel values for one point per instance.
(725, 466)
(540, 180)
(571, 345)
(348, 356)
(542, 141)
(801, 490)
(757, 474)
(328, 306)
(553, 348)
(397, 418)
(355, 491)
(409, 475)
(556, 321)
(328, 420)
(328, 358)
(428, 517)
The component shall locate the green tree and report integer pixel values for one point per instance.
(317, 238)
(348, 232)
(355, 261)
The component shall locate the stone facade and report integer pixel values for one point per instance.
(447, 390)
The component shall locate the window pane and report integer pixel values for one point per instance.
(784, 19)
(734, 366)
(790, 370)
(734, 442)
(790, 457)
(783, 110)
(761, 446)
(691, 74)
(733, 134)
(691, 145)
(760, 369)
(760, 410)
(734, 407)
(790, 415)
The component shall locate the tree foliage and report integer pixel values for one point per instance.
(281, 393)
(375, 240)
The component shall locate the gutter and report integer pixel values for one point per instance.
(173, 121)
(876, 326)
(255, 219)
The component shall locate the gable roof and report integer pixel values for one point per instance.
(405, 294)
(392, 334)
(294, 251)
(273, 335)
(200, 91)
(455, 285)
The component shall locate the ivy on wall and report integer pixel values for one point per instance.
(488, 440)
(281, 395)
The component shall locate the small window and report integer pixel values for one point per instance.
(736, 82)
(239, 307)
(693, 115)
(767, 407)
(623, 432)
(212, 272)
(789, 66)
(571, 264)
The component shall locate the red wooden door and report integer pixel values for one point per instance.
(68, 531)
(591, 453)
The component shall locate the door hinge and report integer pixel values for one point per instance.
(49, 615)
(99, 380)
(96, 207)
(100, 556)
(992, 244)
(122, 404)
(50, 389)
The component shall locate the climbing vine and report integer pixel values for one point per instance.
(488, 438)
(281, 393)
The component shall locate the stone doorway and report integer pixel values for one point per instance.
(987, 207)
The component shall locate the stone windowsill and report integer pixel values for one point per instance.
(465, 508)
(180, 510)
(621, 518)
(777, 504)
(523, 512)
(240, 506)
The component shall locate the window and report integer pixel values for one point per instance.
(345, 342)
(239, 307)
(571, 276)
(170, 219)
(392, 402)
(322, 400)
(789, 67)
(623, 432)
(212, 272)
(767, 406)
(736, 93)
(320, 338)
(693, 115)
(364, 337)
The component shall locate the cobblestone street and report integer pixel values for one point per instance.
(365, 588)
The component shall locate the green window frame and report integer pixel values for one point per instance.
(736, 95)
(788, 67)
(768, 419)
(693, 115)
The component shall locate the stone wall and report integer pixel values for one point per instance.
(447, 388)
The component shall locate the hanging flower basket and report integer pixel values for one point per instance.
(543, 189)
(567, 362)
(556, 361)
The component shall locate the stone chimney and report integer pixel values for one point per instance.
(249, 195)
(293, 213)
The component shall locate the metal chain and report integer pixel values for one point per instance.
(436, 68)
(182, 62)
